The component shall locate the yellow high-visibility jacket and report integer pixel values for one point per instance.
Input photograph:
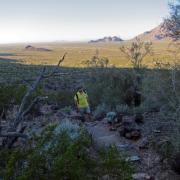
(81, 99)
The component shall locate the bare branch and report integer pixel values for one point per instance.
(137, 52)
(25, 99)
(55, 69)
(23, 109)
(37, 99)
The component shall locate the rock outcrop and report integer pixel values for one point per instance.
(107, 39)
(32, 48)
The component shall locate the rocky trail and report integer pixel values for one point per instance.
(147, 162)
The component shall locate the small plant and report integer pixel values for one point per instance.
(123, 109)
(66, 109)
(63, 97)
(164, 147)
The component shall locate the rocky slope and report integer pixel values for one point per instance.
(156, 34)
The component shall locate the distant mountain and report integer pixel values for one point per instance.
(32, 48)
(156, 34)
(107, 39)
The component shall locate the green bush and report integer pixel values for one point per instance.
(161, 91)
(100, 111)
(63, 97)
(113, 164)
(62, 152)
(164, 147)
(109, 86)
(10, 95)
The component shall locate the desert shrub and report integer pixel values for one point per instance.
(100, 111)
(66, 109)
(164, 147)
(123, 109)
(13, 94)
(62, 152)
(96, 61)
(63, 97)
(161, 89)
(109, 86)
(114, 165)
(137, 52)
(10, 95)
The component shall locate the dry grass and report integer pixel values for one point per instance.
(78, 52)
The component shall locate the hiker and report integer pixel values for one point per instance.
(82, 104)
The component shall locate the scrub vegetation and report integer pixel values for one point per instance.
(138, 81)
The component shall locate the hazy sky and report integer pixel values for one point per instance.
(51, 20)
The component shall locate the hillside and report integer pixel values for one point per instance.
(156, 34)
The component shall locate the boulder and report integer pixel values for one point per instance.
(135, 135)
(129, 129)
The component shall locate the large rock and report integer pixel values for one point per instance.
(129, 129)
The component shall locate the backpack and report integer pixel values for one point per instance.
(77, 98)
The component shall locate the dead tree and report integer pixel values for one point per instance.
(137, 52)
(12, 133)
